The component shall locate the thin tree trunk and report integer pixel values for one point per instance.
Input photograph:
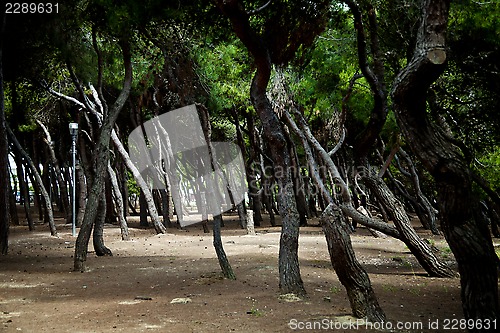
(25, 197)
(141, 183)
(57, 171)
(118, 201)
(82, 195)
(38, 181)
(463, 226)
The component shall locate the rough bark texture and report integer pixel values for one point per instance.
(100, 159)
(463, 226)
(351, 274)
(4, 160)
(418, 247)
(289, 271)
(98, 234)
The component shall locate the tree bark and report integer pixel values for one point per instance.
(118, 201)
(98, 234)
(351, 274)
(101, 162)
(288, 262)
(4, 158)
(463, 226)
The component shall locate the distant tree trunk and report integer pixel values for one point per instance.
(14, 218)
(23, 186)
(143, 210)
(4, 158)
(57, 171)
(165, 202)
(461, 222)
(38, 180)
(118, 202)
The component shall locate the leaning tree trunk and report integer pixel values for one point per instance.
(351, 274)
(4, 159)
(118, 201)
(38, 180)
(461, 221)
(101, 163)
(141, 183)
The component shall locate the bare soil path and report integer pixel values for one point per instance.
(133, 290)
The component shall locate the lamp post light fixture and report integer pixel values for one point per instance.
(73, 130)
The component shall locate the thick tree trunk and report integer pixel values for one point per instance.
(4, 159)
(289, 270)
(98, 234)
(463, 226)
(351, 274)
(101, 163)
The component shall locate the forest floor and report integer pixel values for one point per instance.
(133, 290)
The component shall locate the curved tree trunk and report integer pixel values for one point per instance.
(351, 274)
(38, 180)
(461, 222)
(289, 270)
(101, 162)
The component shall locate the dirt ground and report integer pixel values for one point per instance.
(132, 291)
